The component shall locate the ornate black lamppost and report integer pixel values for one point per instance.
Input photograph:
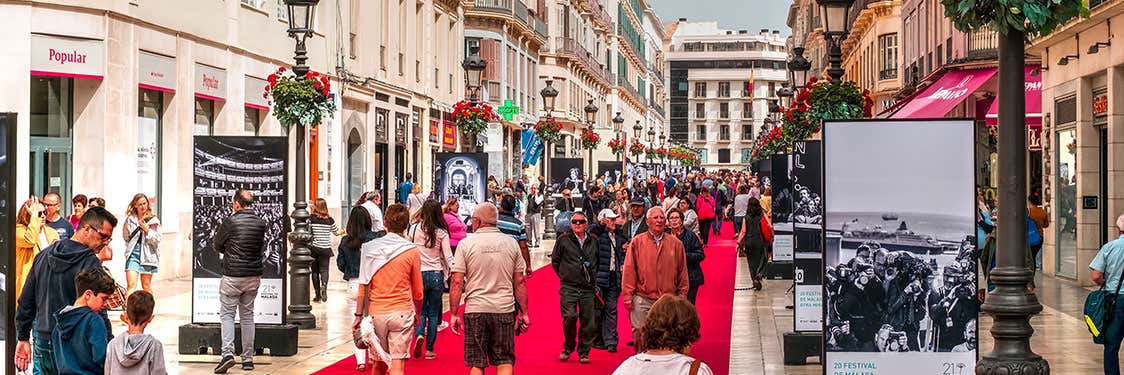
(300, 257)
(590, 121)
(663, 156)
(835, 29)
(618, 124)
(474, 67)
(651, 141)
(798, 68)
(548, 93)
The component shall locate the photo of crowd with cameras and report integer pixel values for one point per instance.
(222, 166)
(900, 252)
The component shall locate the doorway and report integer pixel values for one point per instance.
(51, 146)
(380, 165)
(354, 188)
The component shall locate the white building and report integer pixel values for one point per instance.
(714, 108)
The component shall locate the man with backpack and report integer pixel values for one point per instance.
(1107, 269)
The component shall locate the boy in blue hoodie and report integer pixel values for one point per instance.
(79, 338)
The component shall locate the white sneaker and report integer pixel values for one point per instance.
(442, 326)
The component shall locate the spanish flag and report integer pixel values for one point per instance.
(749, 86)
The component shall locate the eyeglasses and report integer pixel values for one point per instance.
(103, 236)
(578, 221)
(50, 204)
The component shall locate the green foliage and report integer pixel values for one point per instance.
(1032, 17)
(300, 102)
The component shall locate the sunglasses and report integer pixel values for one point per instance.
(578, 221)
(103, 236)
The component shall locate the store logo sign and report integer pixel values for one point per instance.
(210, 82)
(66, 57)
(1100, 104)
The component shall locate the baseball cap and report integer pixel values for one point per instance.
(637, 202)
(607, 213)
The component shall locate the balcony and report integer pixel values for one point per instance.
(623, 82)
(514, 9)
(983, 44)
(600, 16)
(655, 106)
(888, 74)
(571, 47)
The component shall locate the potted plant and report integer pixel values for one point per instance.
(549, 130)
(617, 145)
(471, 118)
(590, 139)
(299, 102)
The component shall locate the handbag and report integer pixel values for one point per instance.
(117, 299)
(1099, 309)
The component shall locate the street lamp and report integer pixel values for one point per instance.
(663, 145)
(618, 124)
(473, 72)
(549, 93)
(798, 68)
(785, 93)
(835, 28)
(636, 129)
(651, 140)
(300, 257)
(590, 121)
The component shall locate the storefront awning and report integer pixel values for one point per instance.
(1033, 100)
(940, 97)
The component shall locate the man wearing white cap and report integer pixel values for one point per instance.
(610, 243)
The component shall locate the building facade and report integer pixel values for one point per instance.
(722, 82)
(1083, 138)
(631, 53)
(871, 51)
(142, 78)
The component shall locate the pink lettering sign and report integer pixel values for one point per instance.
(210, 82)
(66, 57)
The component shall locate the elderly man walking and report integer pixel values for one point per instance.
(655, 264)
(488, 270)
(574, 259)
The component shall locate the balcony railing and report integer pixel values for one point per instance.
(623, 82)
(983, 44)
(1096, 3)
(888, 74)
(600, 15)
(516, 9)
(655, 106)
(571, 47)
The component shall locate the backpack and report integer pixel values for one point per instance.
(1100, 306)
(1033, 237)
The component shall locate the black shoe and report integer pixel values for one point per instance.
(612, 349)
(248, 366)
(565, 356)
(324, 297)
(225, 364)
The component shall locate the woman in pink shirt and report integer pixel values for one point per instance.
(456, 226)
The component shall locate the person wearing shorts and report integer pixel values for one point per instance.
(489, 270)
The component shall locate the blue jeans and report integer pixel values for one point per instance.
(44, 355)
(738, 221)
(611, 294)
(1113, 336)
(434, 284)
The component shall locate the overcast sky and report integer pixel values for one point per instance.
(751, 15)
(900, 167)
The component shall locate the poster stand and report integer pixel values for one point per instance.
(806, 338)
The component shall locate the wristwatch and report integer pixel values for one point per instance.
(357, 315)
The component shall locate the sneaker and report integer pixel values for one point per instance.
(583, 359)
(225, 364)
(442, 326)
(430, 355)
(248, 366)
(565, 356)
(419, 346)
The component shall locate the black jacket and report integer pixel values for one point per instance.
(241, 240)
(628, 233)
(576, 266)
(563, 204)
(592, 206)
(348, 259)
(50, 286)
(693, 248)
(605, 257)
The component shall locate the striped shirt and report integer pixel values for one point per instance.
(322, 230)
(512, 226)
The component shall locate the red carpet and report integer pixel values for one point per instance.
(538, 349)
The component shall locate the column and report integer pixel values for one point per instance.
(1088, 180)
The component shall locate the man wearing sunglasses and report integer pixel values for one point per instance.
(50, 286)
(574, 259)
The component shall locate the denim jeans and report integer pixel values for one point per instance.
(434, 284)
(1113, 336)
(44, 355)
(738, 221)
(240, 293)
(611, 294)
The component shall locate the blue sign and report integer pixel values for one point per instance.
(532, 147)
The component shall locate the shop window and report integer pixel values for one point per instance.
(1066, 204)
(150, 121)
(51, 106)
(204, 117)
(252, 121)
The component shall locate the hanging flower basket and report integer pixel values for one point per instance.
(549, 130)
(299, 102)
(472, 119)
(617, 145)
(590, 139)
(636, 149)
(821, 100)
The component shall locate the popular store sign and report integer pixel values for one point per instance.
(67, 57)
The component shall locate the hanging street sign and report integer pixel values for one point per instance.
(507, 110)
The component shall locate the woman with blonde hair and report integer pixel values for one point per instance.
(415, 200)
(323, 227)
(32, 235)
(142, 242)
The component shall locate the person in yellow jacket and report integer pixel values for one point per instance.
(32, 235)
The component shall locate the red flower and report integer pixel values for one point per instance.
(866, 92)
(281, 69)
(812, 80)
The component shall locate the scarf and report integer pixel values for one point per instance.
(378, 252)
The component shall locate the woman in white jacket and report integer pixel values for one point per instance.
(142, 238)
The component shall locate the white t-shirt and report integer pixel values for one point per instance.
(376, 216)
(664, 364)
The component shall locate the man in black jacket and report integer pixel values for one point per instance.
(241, 240)
(594, 202)
(50, 286)
(574, 259)
(636, 224)
(610, 256)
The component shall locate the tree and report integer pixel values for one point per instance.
(1032, 18)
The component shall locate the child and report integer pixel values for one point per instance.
(80, 336)
(135, 352)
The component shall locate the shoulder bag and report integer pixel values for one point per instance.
(695, 367)
(1100, 306)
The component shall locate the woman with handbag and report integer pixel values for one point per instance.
(323, 227)
(348, 259)
(756, 237)
(692, 248)
(142, 241)
(705, 208)
(431, 233)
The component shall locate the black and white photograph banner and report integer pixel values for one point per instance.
(610, 171)
(222, 165)
(782, 207)
(900, 260)
(807, 217)
(460, 175)
(566, 173)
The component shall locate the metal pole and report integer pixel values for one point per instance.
(835, 55)
(1011, 305)
(548, 200)
(300, 257)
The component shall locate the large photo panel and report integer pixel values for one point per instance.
(461, 175)
(807, 218)
(222, 165)
(900, 264)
